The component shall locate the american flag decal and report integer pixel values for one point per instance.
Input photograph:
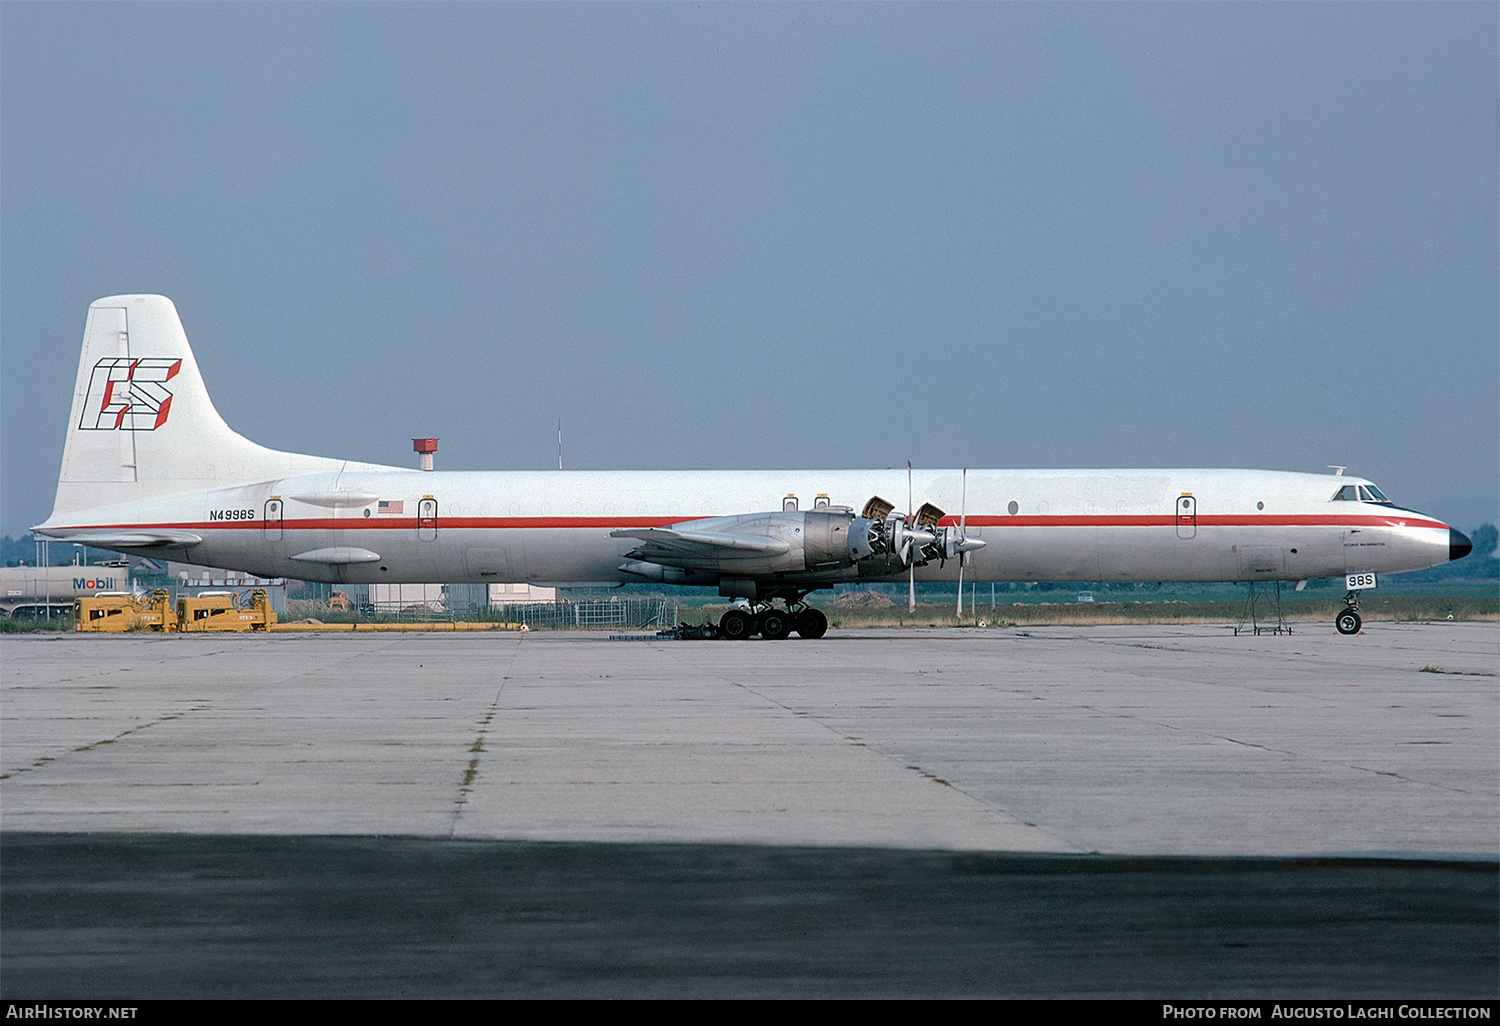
(129, 395)
(392, 508)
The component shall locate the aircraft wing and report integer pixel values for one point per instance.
(673, 545)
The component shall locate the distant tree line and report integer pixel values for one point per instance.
(1485, 539)
(23, 551)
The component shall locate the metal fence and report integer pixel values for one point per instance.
(581, 614)
(590, 614)
(410, 612)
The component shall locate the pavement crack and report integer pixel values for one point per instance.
(1277, 751)
(92, 745)
(476, 753)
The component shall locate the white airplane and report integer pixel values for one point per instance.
(150, 467)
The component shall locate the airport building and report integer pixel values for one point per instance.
(454, 599)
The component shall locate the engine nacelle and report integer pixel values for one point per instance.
(837, 539)
(764, 544)
(786, 544)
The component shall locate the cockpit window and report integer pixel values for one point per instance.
(1361, 493)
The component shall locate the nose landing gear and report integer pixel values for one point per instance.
(1348, 621)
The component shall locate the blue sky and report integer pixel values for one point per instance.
(762, 235)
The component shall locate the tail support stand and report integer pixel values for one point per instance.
(1262, 613)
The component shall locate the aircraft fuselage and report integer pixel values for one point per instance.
(555, 526)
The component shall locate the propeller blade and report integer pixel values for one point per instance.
(963, 512)
(912, 537)
(960, 609)
(911, 564)
(963, 504)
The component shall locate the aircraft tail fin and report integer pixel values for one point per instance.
(142, 421)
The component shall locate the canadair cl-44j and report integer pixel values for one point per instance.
(150, 467)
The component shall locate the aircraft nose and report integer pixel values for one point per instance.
(1458, 545)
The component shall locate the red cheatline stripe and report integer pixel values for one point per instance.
(387, 523)
(1201, 520)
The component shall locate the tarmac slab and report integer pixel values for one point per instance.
(129, 916)
(1166, 812)
(1149, 739)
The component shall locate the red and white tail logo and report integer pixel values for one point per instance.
(129, 395)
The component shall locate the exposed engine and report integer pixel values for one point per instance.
(822, 543)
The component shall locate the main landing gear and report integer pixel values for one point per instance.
(772, 623)
(1348, 620)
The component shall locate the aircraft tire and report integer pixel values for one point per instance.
(1348, 622)
(775, 625)
(811, 623)
(736, 625)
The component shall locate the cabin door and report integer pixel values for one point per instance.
(271, 525)
(1187, 516)
(427, 519)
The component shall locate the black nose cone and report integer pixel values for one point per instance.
(1458, 545)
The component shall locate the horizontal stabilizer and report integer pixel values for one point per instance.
(123, 539)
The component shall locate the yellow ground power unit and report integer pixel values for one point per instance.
(120, 611)
(220, 611)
